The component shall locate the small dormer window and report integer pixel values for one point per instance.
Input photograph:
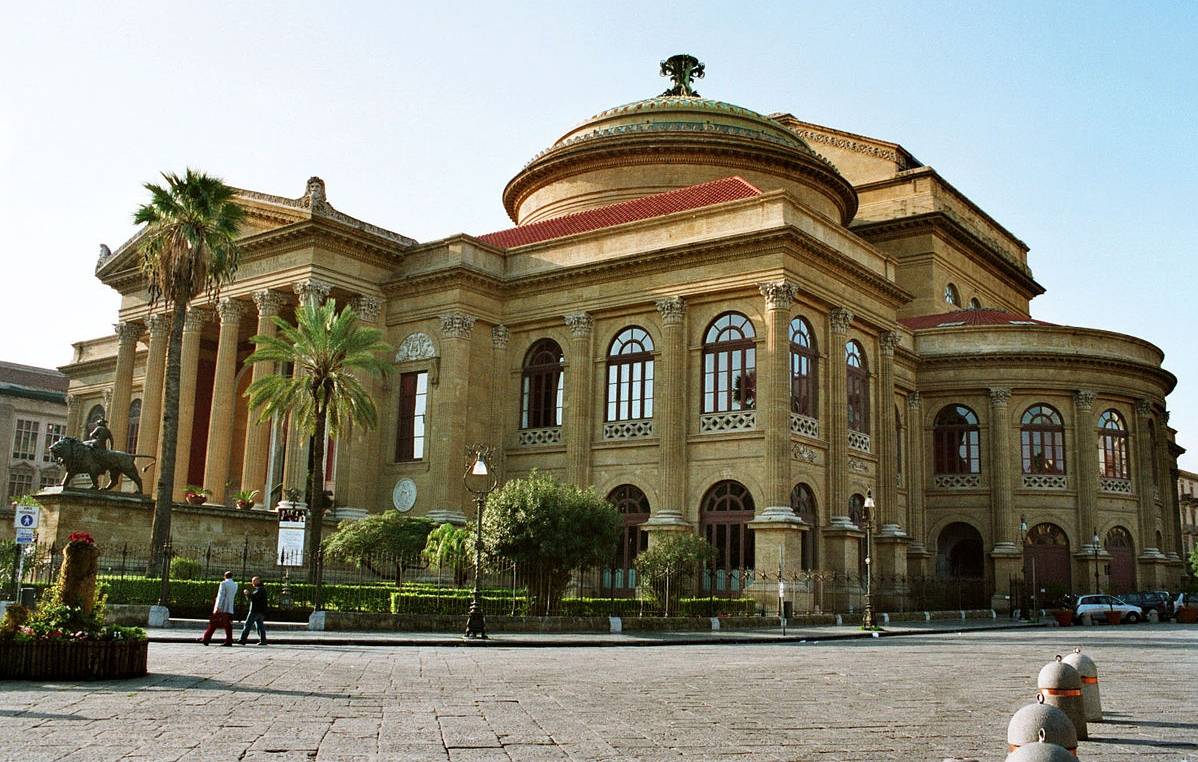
(951, 296)
(975, 304)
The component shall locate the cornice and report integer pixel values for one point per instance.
(940, 222)
(1167, 380)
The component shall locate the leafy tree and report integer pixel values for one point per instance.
(449, 545)
(549, 529)
(671, 565)
(329, 347)
(1194, 561)
(388, 539)
(188, 247)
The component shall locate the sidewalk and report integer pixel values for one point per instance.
(285, 634)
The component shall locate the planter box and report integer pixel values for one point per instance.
(1064, 618)
(73, 660)
(1114, 617)
(1187, 615)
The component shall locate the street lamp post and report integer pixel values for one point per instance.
(1095, 541)
(480, 480)
(867, 617)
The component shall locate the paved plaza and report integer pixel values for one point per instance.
(919, 697)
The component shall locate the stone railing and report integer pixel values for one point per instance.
(957, 481)
(804, 426)
(1117, 486)
(859, 441)
(733, 420)
(631, 429)
(1045, 481)
(538, 437)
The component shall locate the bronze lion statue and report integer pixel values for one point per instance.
(79, 458)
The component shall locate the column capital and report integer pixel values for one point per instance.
(999, 396)
(230, 310)
(313, 290)
(269, 303)
(778, 294)
(159, 324)
(1084, 400)
(840, 319)
(914, 400)
(500, 336)
(671, 308)
(580, 324)
(127, 333)
(888, 341)
(72, 403)
(196, 317)
(367, 307)
(1144, 408)
(106, 398)
(457, 325)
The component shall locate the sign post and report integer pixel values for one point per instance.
(25, 522)
(292, 525)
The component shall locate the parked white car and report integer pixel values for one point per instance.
(1097, 606)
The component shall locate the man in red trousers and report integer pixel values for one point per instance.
(222, 611)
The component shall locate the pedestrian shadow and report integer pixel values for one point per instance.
(165, 681)
(197, 682)
(22, 714)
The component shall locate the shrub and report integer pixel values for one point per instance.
(185, 568)
(448, 545)
(387, 541)
(670, 567)
(548, 529)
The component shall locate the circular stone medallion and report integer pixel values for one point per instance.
(404, 495)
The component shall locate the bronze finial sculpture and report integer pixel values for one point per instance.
(683, 69)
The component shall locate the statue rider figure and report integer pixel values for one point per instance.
(100, 437)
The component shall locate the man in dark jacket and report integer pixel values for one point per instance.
(257, 615)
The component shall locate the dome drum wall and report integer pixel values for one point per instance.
(672, 142)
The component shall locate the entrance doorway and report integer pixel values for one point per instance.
(1046, 561)
(1123, 561)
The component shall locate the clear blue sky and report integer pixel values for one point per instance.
(1073, 124)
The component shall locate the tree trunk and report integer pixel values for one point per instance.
(169, 432)
(316, 489)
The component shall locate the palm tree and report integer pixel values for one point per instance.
(188, 247)
(329, 347)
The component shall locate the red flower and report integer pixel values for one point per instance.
(81, 537)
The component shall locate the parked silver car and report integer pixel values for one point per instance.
(1097, 606)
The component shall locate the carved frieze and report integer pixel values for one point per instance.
(367, 308)
(457, 325)
(803, 453)
(417, 346)
(858, 465)
(500, 336)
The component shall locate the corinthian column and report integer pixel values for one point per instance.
(224, 404)
(838, 414)
(1147, 485)
(448, 437)
(773, 394)
(915, 475)
(669, 418)
(1086, 442)
(888, 468)
(501, 413)
(122, 384)
(578, 404)
(151, 396)
(257, 435)
(189, 362)
(356, 474)
(1001, 488)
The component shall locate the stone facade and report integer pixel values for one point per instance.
(877, 255)
(33, 415)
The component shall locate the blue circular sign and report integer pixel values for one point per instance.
(26, 520)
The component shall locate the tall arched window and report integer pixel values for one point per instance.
(1042, 436)
(802, 502)
(803, 360)
(857, 387)
(134, 426)
(541, 392)
(1112, 446)
(956, 439)
(633, 506)
(729, 364)
(951, 296)
(724, 515)
(630, 376)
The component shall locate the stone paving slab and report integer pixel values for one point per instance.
(918, 697)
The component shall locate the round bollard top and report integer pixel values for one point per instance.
(1057, 675)
(1041, 752)
(1028, 723)
(1082, 663)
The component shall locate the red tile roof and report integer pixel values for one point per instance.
(971, 317)
(647, 207)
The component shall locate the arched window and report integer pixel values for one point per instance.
(1112, 446)
(857, 387)
(541, 392)
(724, 515)
(1043, 441)
(729, 364)
(633, 506)
(630, 376)
(956, 447)
(975, 303)
(93, 415)
(802, 502)
(803, 360)
(134, 426)
(951, 296)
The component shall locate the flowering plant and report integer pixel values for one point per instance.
(80, 537)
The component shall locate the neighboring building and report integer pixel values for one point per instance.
(1187, 499)
(729, 323)
(33, 416)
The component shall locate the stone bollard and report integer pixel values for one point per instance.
(1087, 620)
(1041, 751)
(1086, 667)
(1061, 686)
(1040, 722)
(1153, 617)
